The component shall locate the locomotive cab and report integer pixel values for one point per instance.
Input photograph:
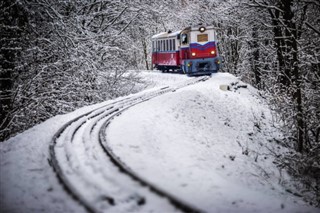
(199, 54)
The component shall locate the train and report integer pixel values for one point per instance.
(192, 51)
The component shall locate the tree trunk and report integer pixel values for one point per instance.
(256, 57)
(298, 95)
(279, 43)
(13, 23)
(145, 53)
(291, 37)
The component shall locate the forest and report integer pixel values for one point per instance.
(57, 56)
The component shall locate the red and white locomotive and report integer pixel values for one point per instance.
(192, 50)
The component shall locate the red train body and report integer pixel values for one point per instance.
(192, 51)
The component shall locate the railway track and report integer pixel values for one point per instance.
(95, 176)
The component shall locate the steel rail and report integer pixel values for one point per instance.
(123, 104)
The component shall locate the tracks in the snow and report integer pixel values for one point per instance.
(93, 174)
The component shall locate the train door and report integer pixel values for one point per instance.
(155, 50)
(184, 45)
(184, 49)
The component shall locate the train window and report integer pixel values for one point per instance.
(184, 38)
(170, 43)
(158, 45)
(167, 44)
(174, 44)
(202, 37)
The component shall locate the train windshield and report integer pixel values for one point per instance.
(184, 38)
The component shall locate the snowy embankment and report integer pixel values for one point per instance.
(211, 148)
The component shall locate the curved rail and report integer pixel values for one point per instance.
(86, 166)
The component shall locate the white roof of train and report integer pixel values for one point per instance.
(173, 34)
(166, 34)
(207, 27)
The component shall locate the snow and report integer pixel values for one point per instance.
(208, 147)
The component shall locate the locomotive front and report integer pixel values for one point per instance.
(199, 53)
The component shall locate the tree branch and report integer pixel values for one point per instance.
(311, 27)
(258, 4)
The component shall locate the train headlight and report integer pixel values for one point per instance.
(202, 29)
(193, 54)
(213, 52)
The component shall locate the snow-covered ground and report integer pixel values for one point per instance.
(211, 148)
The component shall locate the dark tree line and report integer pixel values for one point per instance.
(13, 26)
(294, 87)
(285, 62)
(275, 46)
(57, 56)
